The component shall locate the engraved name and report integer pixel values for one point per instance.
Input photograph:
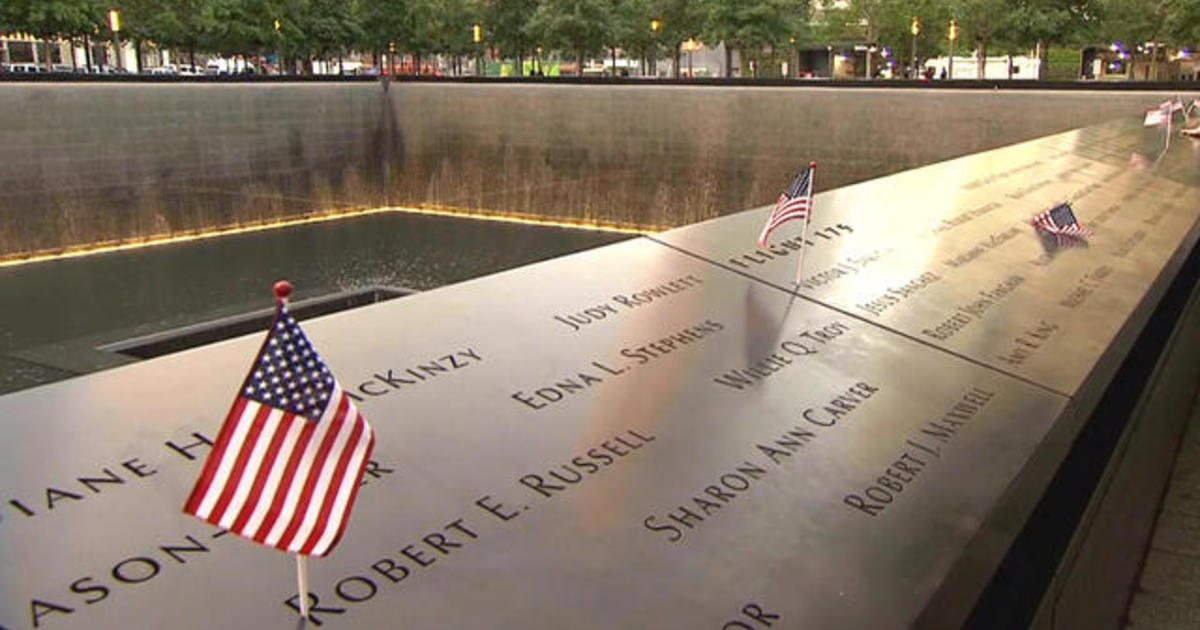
(920, 451)
(626, 301)
(802, 344)
(1028, 342)
(601, 371)
(995, 177)
(725, 488)
(386, 382)
(983, 247)
(894, 295)
(1022, 192)
(966, 314)
(1086, 286)
(583, 466)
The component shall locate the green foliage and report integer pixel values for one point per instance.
(506, 22)
(517, 27)
(681, 20)
(576, 25)
(1062, 64)
(1183, 22)
(52, 18)
(754, 25)
(452, 25)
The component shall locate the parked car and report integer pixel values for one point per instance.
(220, 67)
(188, 70)
(24, 68)
(108, 70)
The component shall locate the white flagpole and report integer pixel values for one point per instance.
(283, 290)
(812, 187)
(302, 583)
(800, 258)
(1170, 120)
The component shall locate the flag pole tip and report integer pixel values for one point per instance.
(282, 290)
(812, 164)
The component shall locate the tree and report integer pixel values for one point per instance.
(1183, 21)
(979, 21)
(631, 28)
(577, 25)
(681, 20)
(507, 24)
(752, 26)
(1038, 23)
(452, 28)
(50, 19)
(190, 26)
(149, 21)
(236, 27)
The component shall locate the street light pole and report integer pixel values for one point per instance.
(655, 24)
(916, 30)
(953, 36)
(114, 25)
(477, 36)
(278, 47)
(794, 72)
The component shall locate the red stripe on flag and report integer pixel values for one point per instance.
(335, 485)
(314, 473)
(264, 471)
(239, 465)
(214, 457)
(285, 481)
(353, 496)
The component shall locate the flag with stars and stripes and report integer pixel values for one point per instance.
(1174, 104)
(1060, 222)
(1163, 114)
(794, 203)
(289, 458)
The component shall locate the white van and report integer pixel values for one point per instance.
(24, 68)
(217, 67)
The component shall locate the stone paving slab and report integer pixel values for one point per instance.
(1172, 575)
(1177, 533)
(1183, 499)
(1153, 612)
(1168, 594)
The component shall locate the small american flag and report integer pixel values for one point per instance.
(794, 203)
(289, 458)
(1172, 105)
(1158, 116)
(1060, 221)
(1162, 114)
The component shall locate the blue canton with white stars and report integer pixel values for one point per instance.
(288, 374)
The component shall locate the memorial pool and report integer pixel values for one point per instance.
(58, 311)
